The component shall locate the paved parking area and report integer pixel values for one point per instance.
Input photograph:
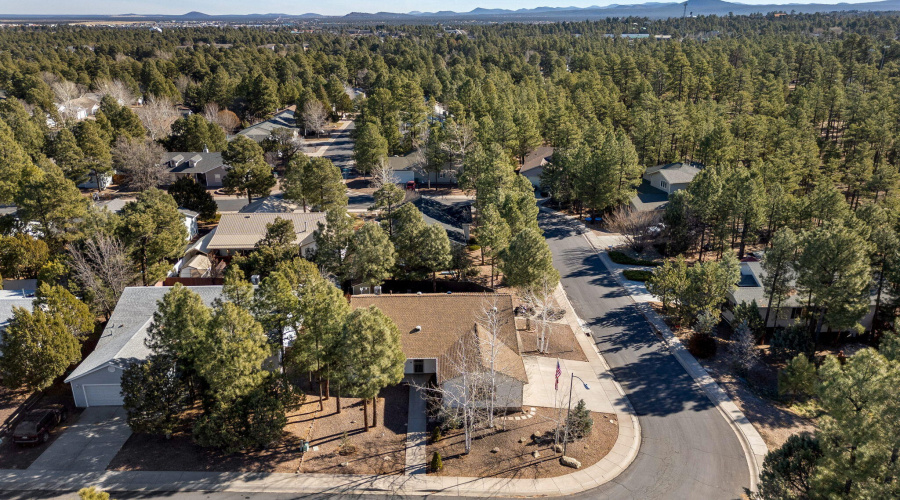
(88, 445)
(539, 390)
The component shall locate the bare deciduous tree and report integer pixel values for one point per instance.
(383, 175)
(459, 143)
(102, 267)
(543, 312)
(141, 161)
(158, 114)
(492, 321)
(66, 92)
(315, 116)
(115, 89)
(183, 83)
(635, 225)
(221, 117)
(744, 348)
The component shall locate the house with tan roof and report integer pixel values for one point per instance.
(239, 232)
(443, 335)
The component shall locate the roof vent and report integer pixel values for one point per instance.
(418, 293)
(417, 329)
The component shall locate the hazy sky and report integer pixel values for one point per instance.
(332, 7)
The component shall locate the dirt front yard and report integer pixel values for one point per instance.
(381, 450)
(513, 447)
(13, 456)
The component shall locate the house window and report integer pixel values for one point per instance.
(663, 184)
(418, 366)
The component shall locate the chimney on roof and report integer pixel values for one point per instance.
(205, 149)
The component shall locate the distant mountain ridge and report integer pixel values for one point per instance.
(651, 9)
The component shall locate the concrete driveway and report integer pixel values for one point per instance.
(88, 445)
(539, 390)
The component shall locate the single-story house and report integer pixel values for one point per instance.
(535, 162)
(81, 108)
(410, 167)
(239, 232)
(97, 380)
(750, 288)
(262, 130)
(660, 181)
(441, 334)
(91, 183)
(206, 168)
(116, 205)
(672, 177)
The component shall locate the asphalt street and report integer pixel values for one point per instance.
(688, 449)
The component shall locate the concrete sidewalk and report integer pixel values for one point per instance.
(754, 445)
(539, 390)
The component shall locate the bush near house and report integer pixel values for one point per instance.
(622, 258)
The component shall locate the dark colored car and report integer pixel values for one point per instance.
(36, 425)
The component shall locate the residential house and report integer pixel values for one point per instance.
(784, 314)
(660, 181)
(205, 167)
(411, 167)
(97, 380)
(441, 336)
(105, 180)
(81, 108)
(534, 164)
(672, 176)
(284, 119)
(116, 205)
(239, 232)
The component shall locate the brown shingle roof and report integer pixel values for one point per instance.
(445, 319)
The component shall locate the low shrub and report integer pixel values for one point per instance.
(702, 346)
(436, 434)
(622, 258)
(473, 248)
(637, 274)
(436, 462)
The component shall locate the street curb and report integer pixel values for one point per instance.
(752, 443)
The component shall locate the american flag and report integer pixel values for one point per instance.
(558, 373)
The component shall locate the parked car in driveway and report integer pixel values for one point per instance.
(35, 426)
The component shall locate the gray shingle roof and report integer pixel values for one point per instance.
(675, 173)
(261, 130)
(122, 341)
(187, 162)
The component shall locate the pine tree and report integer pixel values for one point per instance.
(154, 229)
(371, 255)
(37, 348)
(527, 260)
(372, 357)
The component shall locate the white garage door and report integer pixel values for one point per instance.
(103, 394)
